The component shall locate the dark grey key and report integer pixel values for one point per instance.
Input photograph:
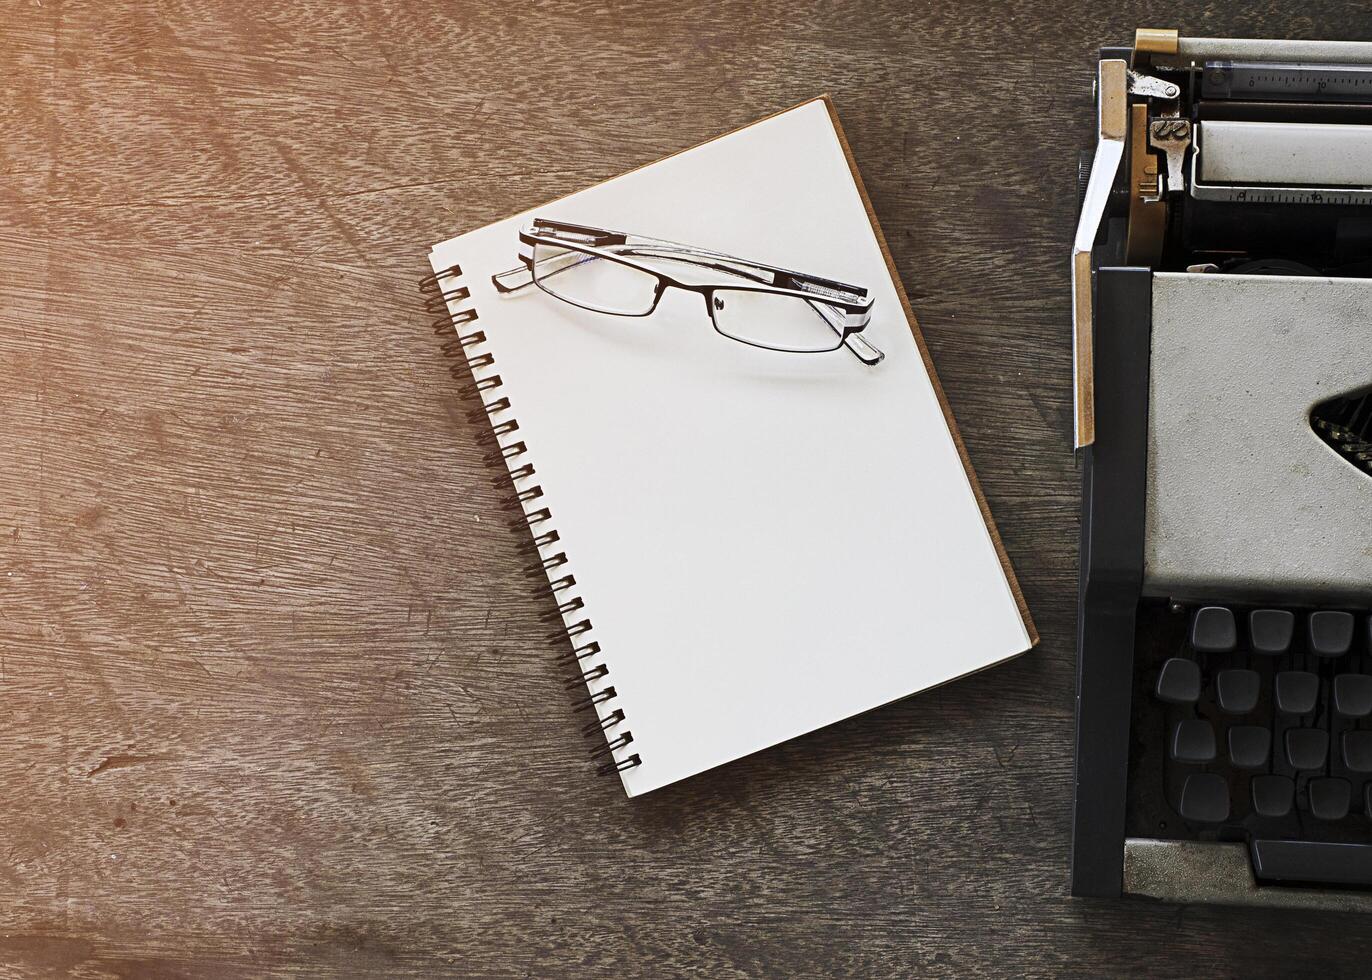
(1329, 798)
(1213, 630)
(1179, 681)
(1205, 797)
(1248, 746)
(1357, 752)
(1315, 862)
(1237, 690)
(1272, 795)
(1270, 630)
(1353, 695)
(1297, 691)
(1193, 741)
(1331, 633)
(1307, 748)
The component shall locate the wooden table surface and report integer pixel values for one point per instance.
(274, 697)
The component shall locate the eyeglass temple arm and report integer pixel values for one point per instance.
(759, 272)
(716, 261)
(856, 345)
(626, 244)
(862, 350)
(521, 276)
(514, 279)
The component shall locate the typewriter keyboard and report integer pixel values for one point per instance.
(1254, 722)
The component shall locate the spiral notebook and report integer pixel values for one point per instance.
(744, 545)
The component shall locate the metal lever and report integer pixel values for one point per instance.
(1150, 87)
(1172, 135)
(1112, 87)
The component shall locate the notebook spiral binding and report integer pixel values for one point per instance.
(479, 384)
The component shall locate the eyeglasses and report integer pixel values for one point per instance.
(626, 275)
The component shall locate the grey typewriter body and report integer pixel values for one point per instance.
(1243, 499)
(1222, 289)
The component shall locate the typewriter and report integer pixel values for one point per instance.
(1222, 303)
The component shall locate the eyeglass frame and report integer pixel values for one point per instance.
(851, 303)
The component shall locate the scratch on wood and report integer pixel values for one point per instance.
(124, 762)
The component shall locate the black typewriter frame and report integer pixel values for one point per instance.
(1112, 528)
(1113, 489)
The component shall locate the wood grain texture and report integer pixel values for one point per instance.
(274, 697)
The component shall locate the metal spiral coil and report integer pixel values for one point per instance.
(576, 654)
(601, 725)
(532, 548)
(537, 517)
(493, 412)
(437, 302)
(591, 700)
(522, 473)
(623, 765)
(585, 677)
(554, 587)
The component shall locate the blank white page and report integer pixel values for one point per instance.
(764, 542)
